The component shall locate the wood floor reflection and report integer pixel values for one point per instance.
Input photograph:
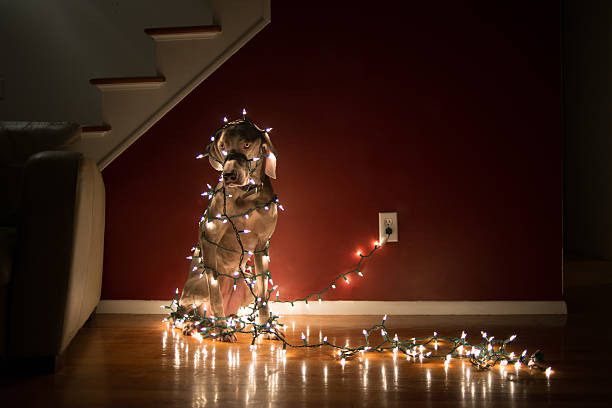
(134, 360)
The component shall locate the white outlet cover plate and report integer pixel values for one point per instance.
(382, 216)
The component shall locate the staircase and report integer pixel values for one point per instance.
(185, 56)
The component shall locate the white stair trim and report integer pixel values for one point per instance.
(130, 86)
(194, 35)
(94, 134)
(365, 307)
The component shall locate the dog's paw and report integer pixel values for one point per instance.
(228, 337)
(270, 336)
(188, 328)
(274, 335)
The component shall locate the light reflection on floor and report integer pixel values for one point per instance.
(265, 372)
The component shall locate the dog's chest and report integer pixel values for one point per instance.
(254, 222)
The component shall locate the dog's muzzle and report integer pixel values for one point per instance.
(230, 172)
(239, 157)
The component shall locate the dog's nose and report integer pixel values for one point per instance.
(230, 177)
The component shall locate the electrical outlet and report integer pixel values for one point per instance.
(388, 220)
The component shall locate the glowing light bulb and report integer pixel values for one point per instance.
(212, 138)
(365, 332)
(199, 156)
(463, 334)
(268, 129)
(246, 231)
(360, 274)
(303, 336)
(384, 318)
(512, 337)
(548, 371)
(243, 112)
(358, 253)
(225, 119)
(246, 216)
(325, 339)
(333, 286)
(213, 281)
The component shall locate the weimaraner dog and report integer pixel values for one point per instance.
(247, 159)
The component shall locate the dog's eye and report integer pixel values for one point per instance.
(246, 145)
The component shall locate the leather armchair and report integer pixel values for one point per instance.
(51, 242)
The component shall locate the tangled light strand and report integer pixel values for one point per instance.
(484, 355)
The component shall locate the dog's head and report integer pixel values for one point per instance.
(238, 149)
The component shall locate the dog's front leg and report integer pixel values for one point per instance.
(209, 242)
(261, 291)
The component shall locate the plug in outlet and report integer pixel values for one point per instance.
(388, 220)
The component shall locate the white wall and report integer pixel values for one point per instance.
(49, 50)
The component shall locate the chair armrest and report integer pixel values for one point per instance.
(43, 256)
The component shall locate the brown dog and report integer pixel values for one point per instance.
(247, 159)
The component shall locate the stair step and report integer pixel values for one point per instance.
(129, 83)
(183, 33)
(90, 132)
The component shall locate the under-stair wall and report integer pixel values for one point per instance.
(117, 84)
(56, 47)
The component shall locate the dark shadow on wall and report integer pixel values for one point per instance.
(588, 107)
(587, 48)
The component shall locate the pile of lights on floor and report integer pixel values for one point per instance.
(484, 355)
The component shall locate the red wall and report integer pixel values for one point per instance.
(448, 114)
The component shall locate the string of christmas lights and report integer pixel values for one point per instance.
(484, 355)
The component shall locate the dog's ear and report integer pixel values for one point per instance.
(214, 157)
(270, 153)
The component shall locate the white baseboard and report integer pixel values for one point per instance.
(348, 307)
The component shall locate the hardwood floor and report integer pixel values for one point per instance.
(134, 360)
